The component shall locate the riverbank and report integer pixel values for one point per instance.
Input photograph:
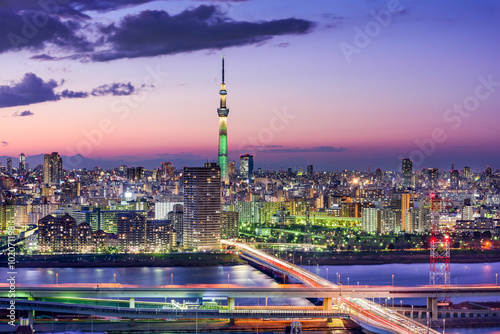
(231, 259)
(129, 260)
(388, 257)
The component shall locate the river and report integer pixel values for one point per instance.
(404, 275)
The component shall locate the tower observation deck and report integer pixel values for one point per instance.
(223, 111)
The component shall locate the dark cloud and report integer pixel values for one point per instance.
(23, 113)
(115, 89)
(155, 32)
(73, 8)
(69, 94)
(31, 89)
(43, 57)
(105, 5)
(35, 30)
(318, 149)
(4, 143)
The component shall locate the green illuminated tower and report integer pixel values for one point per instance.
(223, 112)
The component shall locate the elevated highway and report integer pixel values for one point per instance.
(373, 317)
(157, 313)
(224, 291)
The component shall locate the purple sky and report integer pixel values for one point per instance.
(337, 84)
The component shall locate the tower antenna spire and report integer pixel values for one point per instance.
(222, 69)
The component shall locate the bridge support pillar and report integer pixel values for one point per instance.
(432, 305)
(327, 304)
(32, 313)
(31, 317)
(132, 302)
(230, 306)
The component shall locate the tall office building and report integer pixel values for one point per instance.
(52, 168)
(467, 173)
(310, 170)
(202, 207)
(433, 176)
(229, 224)
(371, 220)
(467, 213)
(22, 164)
(131, 232)
(167, 170)
(407, 172)
(454, 179)
(232, 167)
(223, 112)
(9, 165)
(401, 204)
(246, 166)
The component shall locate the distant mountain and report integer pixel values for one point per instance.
(78, 161)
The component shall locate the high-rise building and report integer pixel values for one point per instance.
(9, 165)
(163, 208)
(176, 218)
(246, 166)
(232, 167)
(310, 170)
(433, 175)
(167, 170)
(467, 173)
(467, 212)
(135, 173)
(401, 204)
(229, 224)
(160, 236)
(454, 179)
(22, 164)
(371, 220)
(407, 172)
(419, 220)
(387, 221)
(131, 230)
(202, 207)
(223, 111)
(52, 168)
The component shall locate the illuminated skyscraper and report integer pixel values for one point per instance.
(223, 112)
(52, 168)
(202, 207)
(407, 171)
(246, 167)
(467, 173)
(9, 165)
(454, 179)
(22, 163)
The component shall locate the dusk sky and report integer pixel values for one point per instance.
(337, 84)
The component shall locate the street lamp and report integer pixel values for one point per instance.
(171, 279)
(114, 278)
(327, 274)
(57, 278)
(392, 279)
(228, 279)
(401, 301)
(347, 280)
(496, 279)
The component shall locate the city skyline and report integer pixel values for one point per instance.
(309, 84)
